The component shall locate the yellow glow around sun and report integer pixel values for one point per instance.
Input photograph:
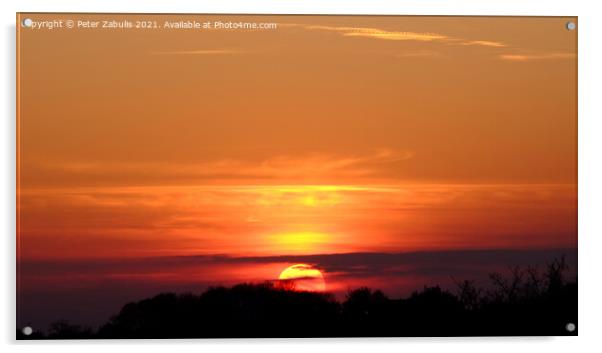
(299, 241)
(309, 201)
(303, 195)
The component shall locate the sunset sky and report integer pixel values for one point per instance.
(178, 159)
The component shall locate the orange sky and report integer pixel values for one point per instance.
(328, 134)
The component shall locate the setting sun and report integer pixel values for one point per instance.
(302, 277)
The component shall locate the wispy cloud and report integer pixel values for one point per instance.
(280, 167)
(484, 43)
(377, 33)
(532, 57)
(201, 52)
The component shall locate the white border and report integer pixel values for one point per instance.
(590, 171)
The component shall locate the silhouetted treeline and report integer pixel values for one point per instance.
(525, 302)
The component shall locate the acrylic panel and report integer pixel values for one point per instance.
(227, 176)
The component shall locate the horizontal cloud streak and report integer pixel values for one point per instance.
(276, 219)
(484, 43)
(373, 263)
(534, 57)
